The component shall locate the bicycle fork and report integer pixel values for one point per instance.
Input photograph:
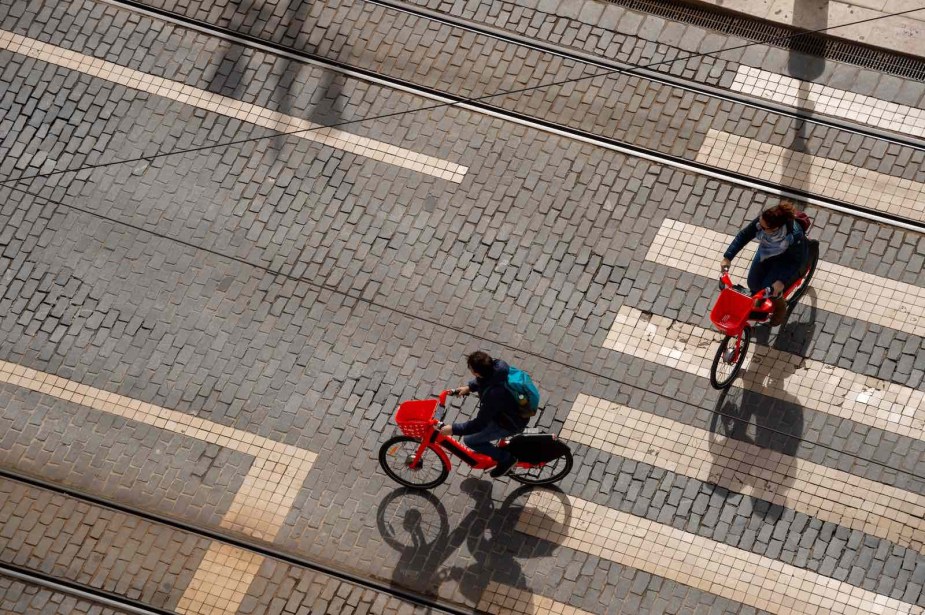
(423, 446)
(733, 353)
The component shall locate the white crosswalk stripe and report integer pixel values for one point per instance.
(836, 180)
(812, 384)
(698, 562)
(246, 112)
(827, 100)
(837, 289)
(819, 491)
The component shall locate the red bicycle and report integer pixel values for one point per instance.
(418, 458)
(736, 312)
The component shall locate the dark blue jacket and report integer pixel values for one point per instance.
(795, 250)
(496, 404)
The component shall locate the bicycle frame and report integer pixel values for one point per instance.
(457, 448)
(438, 442)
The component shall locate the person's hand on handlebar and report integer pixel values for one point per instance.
(446, 430)
(460, 392)
(724, 265)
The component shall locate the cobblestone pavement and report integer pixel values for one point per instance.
(120, 554)
(19, 597)
(296, 292)
(638, 111)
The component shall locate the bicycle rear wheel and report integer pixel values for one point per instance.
(811, 270)
(546, 473)
(396, 456)
(728, 361)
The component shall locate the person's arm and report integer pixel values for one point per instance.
(741, 239)
(450, 430)
(486, 413)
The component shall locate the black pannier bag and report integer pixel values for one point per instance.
(536, 448)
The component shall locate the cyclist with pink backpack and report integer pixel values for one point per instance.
(783, 250)
(507, 400)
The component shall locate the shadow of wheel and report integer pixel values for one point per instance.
(409, 518)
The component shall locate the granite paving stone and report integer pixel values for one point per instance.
(300, 293)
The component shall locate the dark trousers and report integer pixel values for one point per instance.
(781, 268)
(483, 441)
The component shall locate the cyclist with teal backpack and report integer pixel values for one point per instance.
(507, 400)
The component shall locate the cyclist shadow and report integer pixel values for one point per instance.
(762, 465)
(233, 66)
(489, 532)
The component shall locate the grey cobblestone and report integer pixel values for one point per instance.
(645, 123)
(127, 556)
(19, 597)
(536, 251)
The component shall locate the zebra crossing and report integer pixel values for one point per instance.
(878, 510)
(826, 493)
(715, 567)
(815, 385)
(837, 289)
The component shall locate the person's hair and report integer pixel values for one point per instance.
(778, 216)
(481, 363)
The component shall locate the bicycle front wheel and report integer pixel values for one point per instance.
(396, 456)
(729, 359)
(545, 474)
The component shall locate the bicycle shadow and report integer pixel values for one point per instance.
(489, 532)
(762, 465)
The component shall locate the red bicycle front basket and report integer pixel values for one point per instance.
(731, 311)
(415, 418)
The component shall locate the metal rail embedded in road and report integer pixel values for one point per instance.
(79, 591)
(482, 106)
(262, 549)
(614, 67)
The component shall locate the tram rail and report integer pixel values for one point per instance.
(482, 105)
(97, 595)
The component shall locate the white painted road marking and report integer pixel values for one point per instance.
(836, 180)
(837, 289)
(698, 562)
(259, 508)
(816, 490)
(829, 101)
(223, 105)
(812, 384)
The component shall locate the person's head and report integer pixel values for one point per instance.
(776, 217)
(480, 364)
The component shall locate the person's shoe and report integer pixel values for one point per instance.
(503, 468)
(780, 311)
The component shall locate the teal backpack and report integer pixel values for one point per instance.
(524, 391)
